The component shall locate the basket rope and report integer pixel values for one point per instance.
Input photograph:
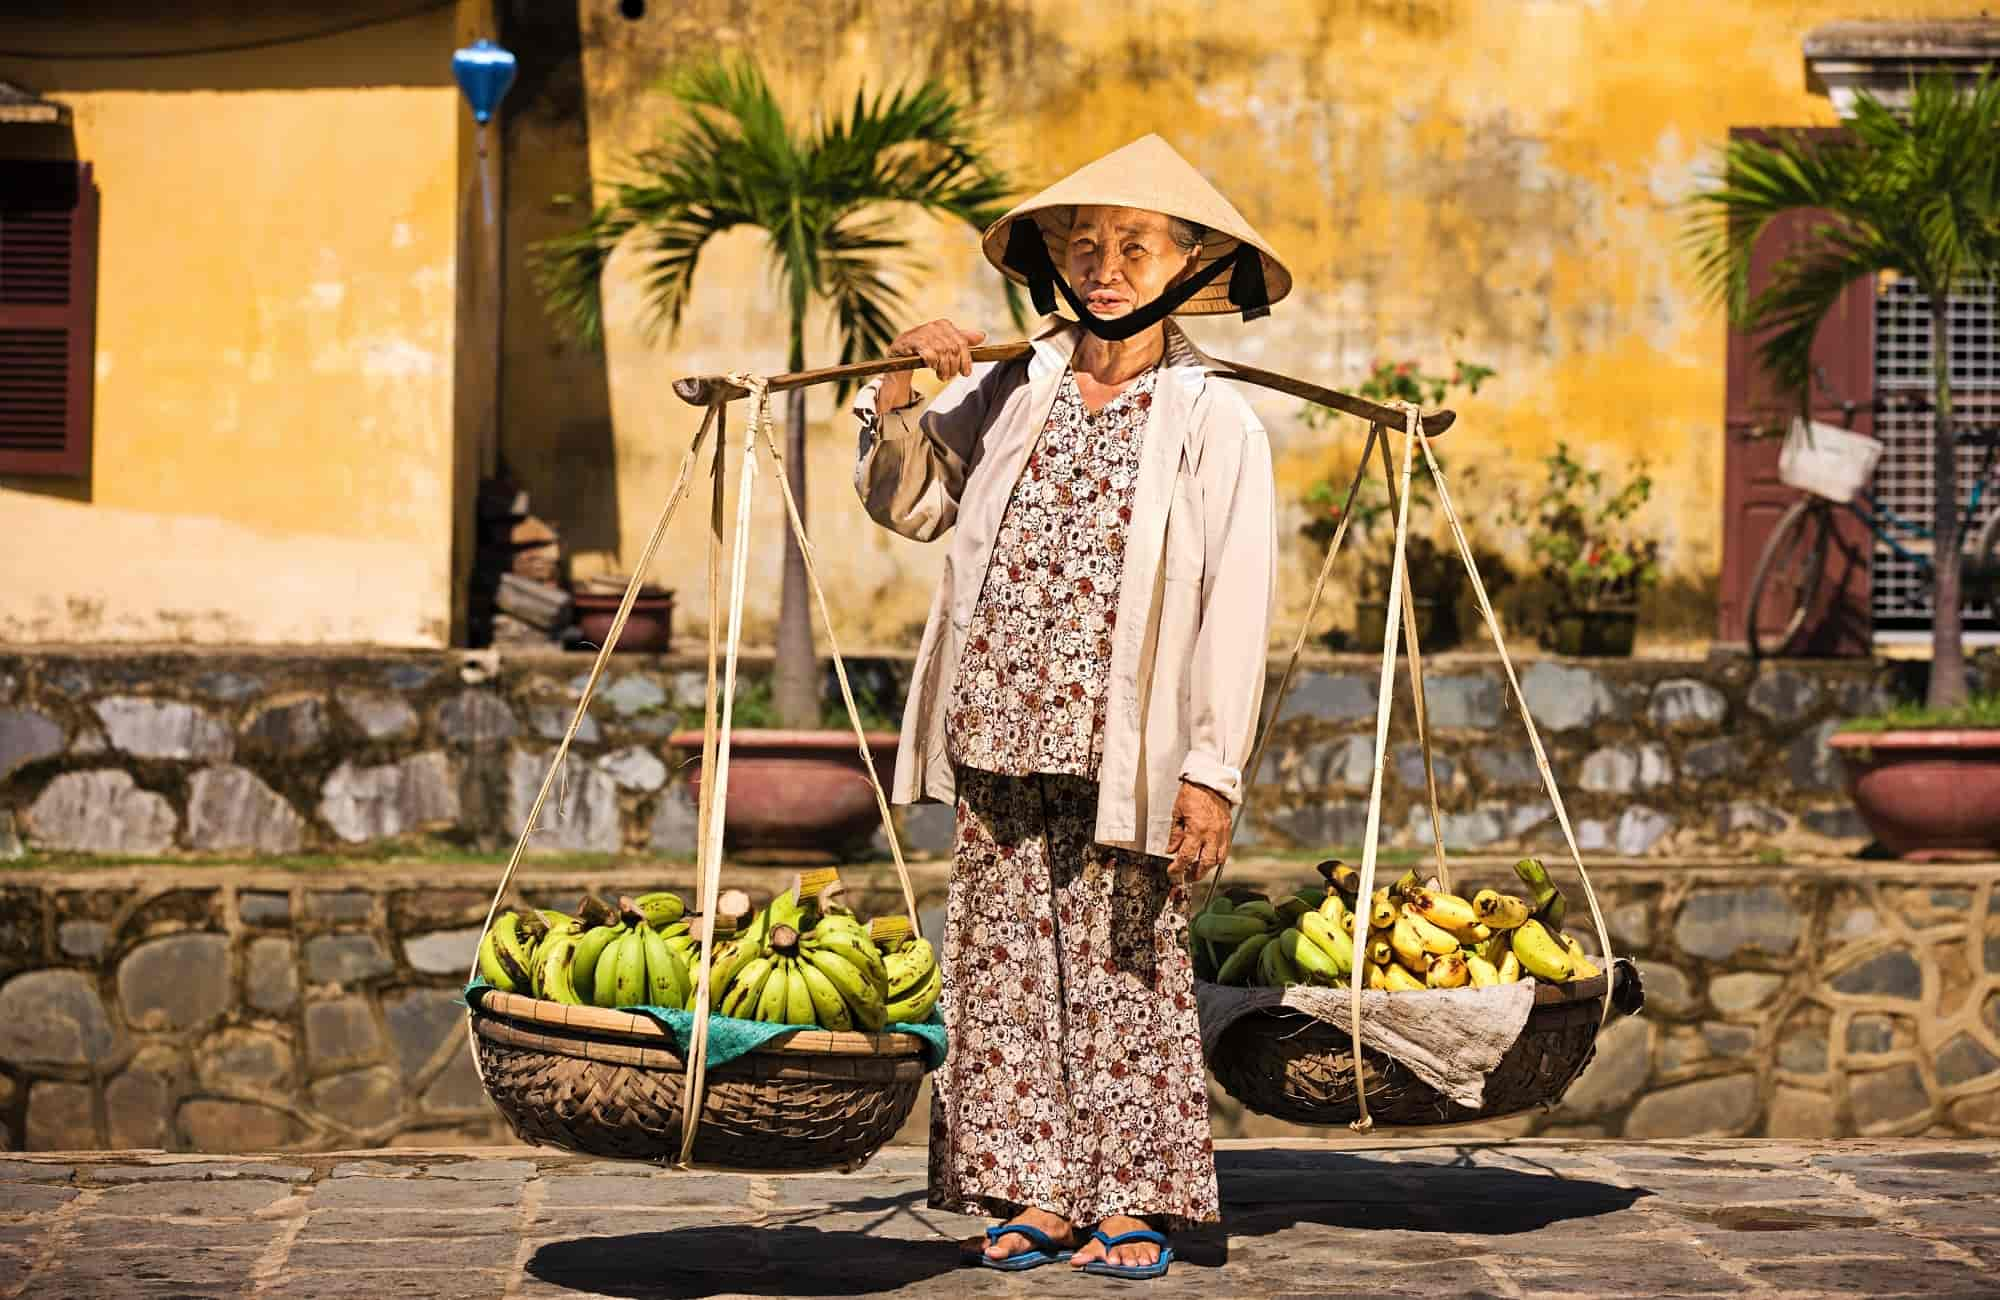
(556, 763)
(1534, 736)
(1391, 630)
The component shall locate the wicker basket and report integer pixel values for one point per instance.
(1292, 1067)
(608, 1083)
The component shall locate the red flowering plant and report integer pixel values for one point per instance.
(1581, 535)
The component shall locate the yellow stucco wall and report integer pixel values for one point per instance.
(272, 453)
(1494, 181)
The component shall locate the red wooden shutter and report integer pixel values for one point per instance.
(1753, 499)
(48, 316)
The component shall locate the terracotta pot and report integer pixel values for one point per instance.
(798, 796)
(1926, 794)
(649, 628)
(1591, 632)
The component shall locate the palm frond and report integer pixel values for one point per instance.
(569, 272)
(865, 303)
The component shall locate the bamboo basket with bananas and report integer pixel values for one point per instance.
(1413, 935)
(568, 1068)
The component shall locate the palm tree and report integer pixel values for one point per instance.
(1917, 194)
(824, 198)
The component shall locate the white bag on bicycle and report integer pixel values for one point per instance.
(1827, 460)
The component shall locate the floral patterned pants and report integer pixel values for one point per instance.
(1075, 1082)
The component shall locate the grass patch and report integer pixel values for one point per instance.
(1979, 713)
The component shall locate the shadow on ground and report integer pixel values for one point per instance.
(880, 1243)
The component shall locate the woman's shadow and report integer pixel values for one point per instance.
(881, 1243)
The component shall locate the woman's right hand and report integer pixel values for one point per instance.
(944, 347)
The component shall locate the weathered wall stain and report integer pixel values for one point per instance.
(1494, 182)
(274, 348)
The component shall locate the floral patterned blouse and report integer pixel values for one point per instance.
(1030, 692)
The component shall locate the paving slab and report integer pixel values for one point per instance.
(1555, 1219)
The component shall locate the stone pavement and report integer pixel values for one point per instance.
(1390, 1217)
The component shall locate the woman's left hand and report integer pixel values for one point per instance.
(1199, 840)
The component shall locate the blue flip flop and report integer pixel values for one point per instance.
(1045, 1250)
(1135, 1273)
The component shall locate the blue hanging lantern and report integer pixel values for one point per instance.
(484, 71)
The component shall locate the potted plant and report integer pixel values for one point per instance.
(1437, 575)
(1910, 193)
(1589, 554)
(1926, 780)
(824, 194)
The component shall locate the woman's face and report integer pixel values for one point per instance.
(1120, 259)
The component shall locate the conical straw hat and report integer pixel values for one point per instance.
(1147, 174)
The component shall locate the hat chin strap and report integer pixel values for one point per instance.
(1028, 254)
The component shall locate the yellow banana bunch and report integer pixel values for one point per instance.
(1501, 911)
(1449, 971)
(1408, 945)
(1581, 967)
(1541, 955)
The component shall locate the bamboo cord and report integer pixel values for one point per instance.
(1534, 736)
(1391, 629)
(590, 688)
(711, 875)
(705, 819)
(1298, 646)
(1416, 657)
(840, 671)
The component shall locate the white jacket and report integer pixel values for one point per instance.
(1194, 606)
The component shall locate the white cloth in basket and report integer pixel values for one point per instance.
(1450, 1038)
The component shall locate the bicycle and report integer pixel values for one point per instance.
(1793, 562)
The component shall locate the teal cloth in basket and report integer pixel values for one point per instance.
(729, 1038)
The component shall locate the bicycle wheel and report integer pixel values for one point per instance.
(1787, 579)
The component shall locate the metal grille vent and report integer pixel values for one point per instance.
(35, 258)
(1904, 483)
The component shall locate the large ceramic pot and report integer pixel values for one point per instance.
(649, 628)
(798, 796)
(1926, 795)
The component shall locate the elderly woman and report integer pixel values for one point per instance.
(1086, 695)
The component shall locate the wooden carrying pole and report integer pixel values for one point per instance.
(706, 390)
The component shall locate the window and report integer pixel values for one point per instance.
(48, 310)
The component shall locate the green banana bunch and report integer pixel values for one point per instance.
(1237, 968)
(915, 980)
(555, 968)
(506, 955)
(741, 998)
(840, 952)
(590, 946)
(1551, 908)
(1329, 941)
(1275, 970)
(1308, 958)
(1232, 927)
(660, 909)
(666, 974)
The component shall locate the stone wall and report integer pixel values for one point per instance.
(222, 1009)
(243, 753)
